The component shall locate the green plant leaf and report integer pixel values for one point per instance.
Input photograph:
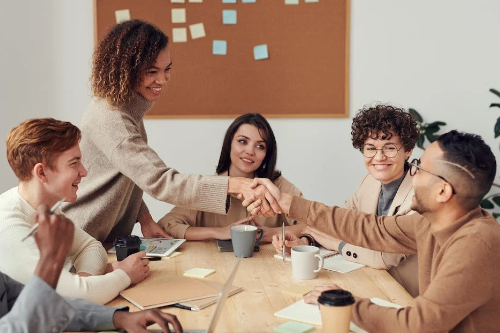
(416, 115)
(431, 137)
(495, 104)
(496, 215)
(496, 199)
(497, 128)
(437, 123)
(496, 92)
(486, 204)
(420, 142)
(432, 129)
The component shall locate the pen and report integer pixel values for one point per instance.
(34, 228)
(283, 236)
(180, 306)
(152, 258)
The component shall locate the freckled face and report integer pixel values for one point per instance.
(248, 150)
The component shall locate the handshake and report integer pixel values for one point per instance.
(260, 196)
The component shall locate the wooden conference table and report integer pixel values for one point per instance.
(262, 278)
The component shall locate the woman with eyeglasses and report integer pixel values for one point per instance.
(386, 136)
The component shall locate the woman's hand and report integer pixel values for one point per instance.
(150, 228)
(312, 296)
(329, 242)
(225, 232)
(290, 241)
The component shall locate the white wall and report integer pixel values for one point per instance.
(439, 57)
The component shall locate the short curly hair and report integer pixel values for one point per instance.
(122, 58)
(370, 121)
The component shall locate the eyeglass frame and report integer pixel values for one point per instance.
(415, 164)
(382, 150)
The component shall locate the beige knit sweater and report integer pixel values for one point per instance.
(458, 267)
(19, 259)
(121, 166)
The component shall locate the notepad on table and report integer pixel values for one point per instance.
(310, 313)
(167, 290)
(322, 251)
(199, 304)
(198, 272)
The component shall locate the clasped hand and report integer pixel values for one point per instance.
(261, 197)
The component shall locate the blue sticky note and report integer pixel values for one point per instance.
(260, 52)
(219, 47)
(294, 327)
(229, 16)
(228, 1)
(249, 1)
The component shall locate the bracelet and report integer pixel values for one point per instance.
(310, 239)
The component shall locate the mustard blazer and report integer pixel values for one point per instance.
(403, 267)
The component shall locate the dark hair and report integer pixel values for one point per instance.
(369, 122)
(122, 58)
(39, 140)
(267, 168)
(472, 153)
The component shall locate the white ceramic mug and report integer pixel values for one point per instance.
(306, 262)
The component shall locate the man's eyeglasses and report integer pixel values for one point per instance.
(389, 150)
(415, 164)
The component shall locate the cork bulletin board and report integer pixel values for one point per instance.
(305, 74)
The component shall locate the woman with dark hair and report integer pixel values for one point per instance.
(249, 150)
(385, 136)
(131, 66)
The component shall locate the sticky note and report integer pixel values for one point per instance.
(229, 16)
(228, 1)
(122, 15)
(196, 1)
(198, 272)
(174, 254)
(311, 1)
(177, 1)
(294, 327)
(197, 30)
(291, 2)
(249, 1)
(297, 290)
(219, 47)
(260, 52)
(178, 15)
(179, 35)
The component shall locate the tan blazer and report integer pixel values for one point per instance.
(179, 219)
(403, 267)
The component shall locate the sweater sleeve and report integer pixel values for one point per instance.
(143, 209)
(205, 193)
(178, 220)
(452, 295)
(384, 233)
(87, 254)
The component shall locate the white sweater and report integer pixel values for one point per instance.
(19, 259)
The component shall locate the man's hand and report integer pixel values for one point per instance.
(136, 268)
(291, 240)
(54, 239)
(268, 206)
(150, 228)
(329, 242)
(312, 296)
(136, 322)
(253, 204)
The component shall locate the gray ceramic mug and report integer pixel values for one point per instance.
(244, 238)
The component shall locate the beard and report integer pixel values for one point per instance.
(417, 204)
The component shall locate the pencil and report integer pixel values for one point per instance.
(34, 228)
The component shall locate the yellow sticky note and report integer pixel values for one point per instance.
(122, 15)
(177, 1)
(178, 15)
(311, 1)
(179, 35)
(297, 290)
(196, 1)
(198, 272)
(174, 254)
(197, 30)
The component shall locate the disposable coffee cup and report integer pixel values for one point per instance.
(336, 308)
(126, 245)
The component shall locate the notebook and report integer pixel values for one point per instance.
(167, 290)
(196, 305)
(310, 314)
(161, 247)
(322, 251)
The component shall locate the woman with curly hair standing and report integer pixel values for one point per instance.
(385, 136)
(131, 67)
